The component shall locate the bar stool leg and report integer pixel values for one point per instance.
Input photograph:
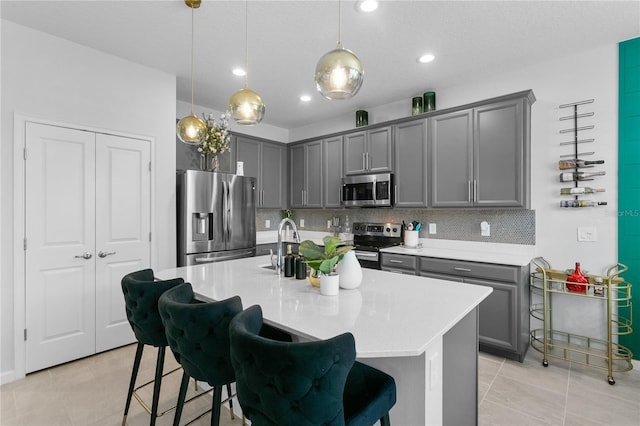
(181, 397)
(156, 385)
(215, 406)
(132, 383)
(229, 394)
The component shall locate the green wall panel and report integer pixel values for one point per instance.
(629, 180)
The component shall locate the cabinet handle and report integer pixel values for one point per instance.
(364, 161)
(469, 191)
(86, 256)
(462, 269)
(105, 254)
(395, 194)
(368, 161)
(395, 261)
(475, 191)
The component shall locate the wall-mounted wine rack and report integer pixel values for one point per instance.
(574, 168)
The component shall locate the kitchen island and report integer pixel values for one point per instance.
(422, 331)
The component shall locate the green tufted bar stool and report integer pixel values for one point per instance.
(198, 335)
(141, 294)
(308, 383)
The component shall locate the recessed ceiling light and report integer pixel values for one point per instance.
(239, 72)
(367, 5)
(426, 58)
(305, 98)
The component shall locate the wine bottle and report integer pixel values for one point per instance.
(289, 263)
(577, 277)
(571, 176)
(582, 203)
(577, 191)
(577, 163)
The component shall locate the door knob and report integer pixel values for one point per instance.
(105, 254)
(85, 256)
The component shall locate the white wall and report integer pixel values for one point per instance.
(263, 130)
(592, 74)
(50, 78)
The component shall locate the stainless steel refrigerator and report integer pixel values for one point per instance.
(216, 217)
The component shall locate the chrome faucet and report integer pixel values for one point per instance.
(279, 259)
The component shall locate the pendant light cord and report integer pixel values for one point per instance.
(192, 55)
(246, 44)
(339, 25)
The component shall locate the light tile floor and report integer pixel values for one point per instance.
(91, 391)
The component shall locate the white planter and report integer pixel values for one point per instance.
(350, 271)
(329, 285)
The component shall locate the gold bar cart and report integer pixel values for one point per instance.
(607, 354)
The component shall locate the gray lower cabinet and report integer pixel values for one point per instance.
(368, 151)
(504, 315)
(266, 249)
(267, 162)
(411, 176)
(332, 171)
(399, 263)
(480, 156)
(504, 320)
(306, 175)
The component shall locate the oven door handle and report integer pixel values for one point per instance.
(366, 254)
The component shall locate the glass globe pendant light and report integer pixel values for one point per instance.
(246, 106)
(191, 129)
(339, 73)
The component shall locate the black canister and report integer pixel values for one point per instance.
(301, 268)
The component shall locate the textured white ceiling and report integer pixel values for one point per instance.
(286, 38)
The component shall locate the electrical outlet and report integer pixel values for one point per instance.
(485, 229)
(301, 223)
(328, 224)
(432, 228)
(267, 223)
(587, 233)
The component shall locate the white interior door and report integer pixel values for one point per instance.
(60, 242)
(123, 200)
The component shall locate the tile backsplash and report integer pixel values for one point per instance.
(509, 226)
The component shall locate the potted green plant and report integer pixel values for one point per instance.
(323, 259)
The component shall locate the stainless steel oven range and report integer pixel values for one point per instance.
(369, 238)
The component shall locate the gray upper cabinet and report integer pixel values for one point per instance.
(306, 175)
(480, 156)
(267, 163)
(333, 171)
(451, 139)
(499, 154)
(411, 176)
(368, 151)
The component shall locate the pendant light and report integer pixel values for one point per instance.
(246, 106)
(339, 73)
(191, 129)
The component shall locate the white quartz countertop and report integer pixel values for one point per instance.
(389, 314)
(505, 254)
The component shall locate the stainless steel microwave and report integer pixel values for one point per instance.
(371, 190)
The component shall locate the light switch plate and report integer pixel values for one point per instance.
(301, 223)
(587, 233)
(432, 228)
